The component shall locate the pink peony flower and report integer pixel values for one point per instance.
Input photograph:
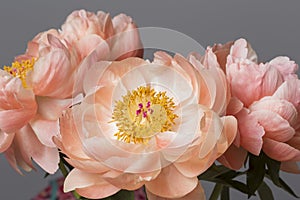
(18, 141)
(118, 37)
(269, 118)
(154, 124)
(53, 62)
(52, 69)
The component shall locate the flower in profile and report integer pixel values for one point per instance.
(268, 119)
(18, 141)
(51, 70)
(154, 124)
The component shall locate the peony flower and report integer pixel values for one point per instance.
(52, 69)
(17, 108)
(154, 124)
(269, 118)
(118, 38)
(52, 63)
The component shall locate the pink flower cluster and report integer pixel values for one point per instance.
(43, 82)
(266, 103)
(123, 122)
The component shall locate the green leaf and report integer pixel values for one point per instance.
(225, 193)
(213, 171)
(46, 175)
(256, 172)
(273, 169)
(216, 192)
(234, 184)
(284, 186)
(122, 195)
(264, 192)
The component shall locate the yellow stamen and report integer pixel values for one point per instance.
(20, 69)
(143, 113)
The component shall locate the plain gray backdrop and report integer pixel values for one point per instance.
(271, 26)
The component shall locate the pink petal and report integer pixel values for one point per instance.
(251, 132)
(132, 181)
(290, 91)
(5, 140)
(126, 43)
(280, 151)
(234, 106)
(197, 193)
(45, 130)
(119, 155)
(14, 158)
(204, 156)
(89, 43)
(88, 185)
(51, 109)
(49, 75)
(187, 132)
(89, 166)
(26, 146)
(219, 99)
(108, 28)
(234, 157)
(287, 67)
(70, 140)
(171, 184)
(222, 51)
(17, 105)
(162, 58)
(239, 49)
(195, 165)
(280, 106)
(290, 167)
(271, 80)
(274, 125)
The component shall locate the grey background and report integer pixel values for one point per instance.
(271, 26)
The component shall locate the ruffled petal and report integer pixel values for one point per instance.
(197, 193)
(45, 130)
(69, 140)
(88, 185)
(282, 107)
(126, 41)
(274, 125)
(287, 67)
(51, 109)
(280, 151)
(251, 132)
(170, 183)
(27, 146)
(290, 91)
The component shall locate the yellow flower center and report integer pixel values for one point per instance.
(20, 69)
(143, 113)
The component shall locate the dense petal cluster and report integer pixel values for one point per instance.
(267, 100)
(122, 122)
(166, 160)
(47, 79)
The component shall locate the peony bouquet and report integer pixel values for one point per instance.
(83, 100)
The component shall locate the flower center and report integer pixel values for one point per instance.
(20, 69)
(143, 113)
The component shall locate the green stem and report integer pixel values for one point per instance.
(216, 192)
(62, 168)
